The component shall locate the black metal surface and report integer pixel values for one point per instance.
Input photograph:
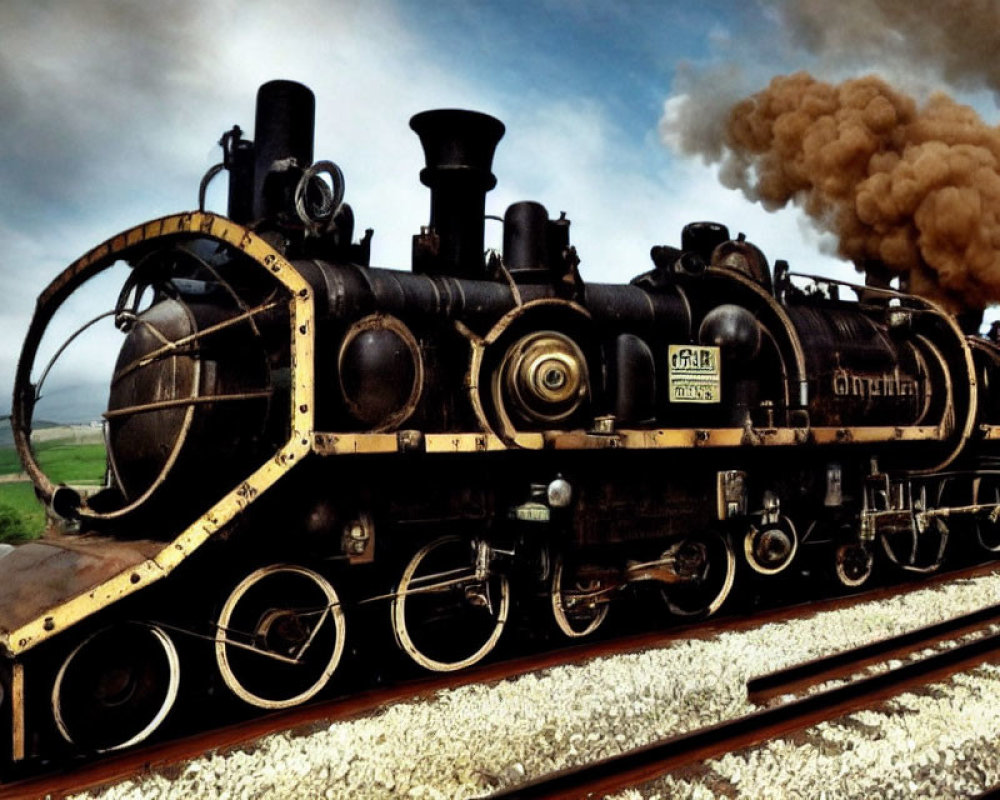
(526, 241)
(240, 163)
(458, 146)
(169, 405)
(345, 291)
(701, 238)
(283, 130)
(858, 374)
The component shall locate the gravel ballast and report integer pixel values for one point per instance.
(468, 741)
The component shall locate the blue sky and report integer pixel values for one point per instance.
(109, 111)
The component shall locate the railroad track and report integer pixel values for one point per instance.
(643, 764)
(79, 776)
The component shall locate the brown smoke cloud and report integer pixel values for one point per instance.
(916, 187)
(912, 184)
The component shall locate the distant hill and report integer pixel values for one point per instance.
(40, 425)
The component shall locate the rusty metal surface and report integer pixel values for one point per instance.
(43, 574)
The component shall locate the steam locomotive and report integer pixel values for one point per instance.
(294, 435)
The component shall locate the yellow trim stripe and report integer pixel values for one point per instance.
(341, 444)
(302, 332)
(990, 432)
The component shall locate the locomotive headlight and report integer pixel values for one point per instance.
(559, 493)
(553, 377)
(545, 377)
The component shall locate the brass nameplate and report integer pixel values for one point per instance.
(695, 374)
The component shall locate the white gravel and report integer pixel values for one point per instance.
(466, 742)
(940, 743)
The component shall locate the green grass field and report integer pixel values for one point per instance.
(64, 461)
(9, 462)
(21, 515)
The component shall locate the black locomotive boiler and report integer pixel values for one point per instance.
(295, 437)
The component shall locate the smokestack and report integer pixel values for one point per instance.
(283, 130)
(239, 160)
(458, 149)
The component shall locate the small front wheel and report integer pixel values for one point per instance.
(853, 564)
(706, 566)
(579, 605)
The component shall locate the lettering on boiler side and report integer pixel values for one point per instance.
(889, 384)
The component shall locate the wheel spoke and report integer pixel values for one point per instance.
(444, 615)
(580, 609)
(708, 561)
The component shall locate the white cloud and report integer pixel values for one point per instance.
(115, 110)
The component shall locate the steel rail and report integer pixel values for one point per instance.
(643, 764)
(764, 687)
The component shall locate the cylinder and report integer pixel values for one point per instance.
(458, 148)
(283, 130)
(525, 240)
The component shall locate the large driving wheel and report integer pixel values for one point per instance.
(579, 605)
(446, 616)
(706, 566)
(116, 687)
(280, 636)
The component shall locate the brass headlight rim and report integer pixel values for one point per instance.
(564, 315)
(522, 368)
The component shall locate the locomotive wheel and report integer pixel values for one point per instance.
(771, 550)
(905, 548)
(853, 564)
(443, 616)
(987, 490)
(578, 610)
(914, 550)
(708, 563)
(116, 687)
(280, 636)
